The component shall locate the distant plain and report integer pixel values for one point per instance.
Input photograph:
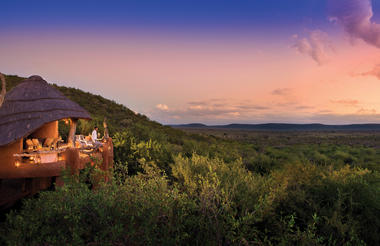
(370, 139)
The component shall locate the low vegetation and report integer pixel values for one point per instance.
(173, 188)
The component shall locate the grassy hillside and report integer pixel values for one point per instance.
(118, 116)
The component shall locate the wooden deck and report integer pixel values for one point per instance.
(28, 178)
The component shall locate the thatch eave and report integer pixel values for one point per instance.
(30, 105)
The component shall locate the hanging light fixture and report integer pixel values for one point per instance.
(17, 163)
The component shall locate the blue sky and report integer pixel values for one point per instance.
(172, 14)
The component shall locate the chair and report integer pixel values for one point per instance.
(36, 144)
(55, 142)
(29, 145)
(49, 143)
(84, 142)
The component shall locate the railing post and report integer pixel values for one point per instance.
(73, 128)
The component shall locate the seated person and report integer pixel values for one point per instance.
(95, 139)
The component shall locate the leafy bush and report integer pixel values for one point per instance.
(206, 202)
(346, 202)
(142, 211)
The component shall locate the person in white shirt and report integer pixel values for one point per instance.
(94, 137)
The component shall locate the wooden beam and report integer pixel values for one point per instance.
(106, 134)
(73, 128)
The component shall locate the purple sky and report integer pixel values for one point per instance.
(214, 62)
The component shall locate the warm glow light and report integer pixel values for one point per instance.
(17, 163)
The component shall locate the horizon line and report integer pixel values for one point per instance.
(272, 123)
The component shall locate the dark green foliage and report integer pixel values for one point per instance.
(140, 212)
(174, 188)
(132, 154)
(211, 203)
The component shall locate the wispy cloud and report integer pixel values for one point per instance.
(304, 107)
(282, 91)
(226, 110)
(366, 111)
(346, 102)
(331, 118)
(374, 72)
(162, 107)
(324, 111)
(317, 45)
(212, 101)
(206, 110)
(356, 18)
(251, 107)
(232, 111)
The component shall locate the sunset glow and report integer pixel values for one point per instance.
(205, 61)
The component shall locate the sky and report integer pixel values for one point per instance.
(205, 61)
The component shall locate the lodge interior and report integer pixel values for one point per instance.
(45, 145)
(32, 160)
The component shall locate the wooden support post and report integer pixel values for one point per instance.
(106, 134)
(59, 182)
(73, 128)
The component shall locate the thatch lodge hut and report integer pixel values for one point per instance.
(29, 138)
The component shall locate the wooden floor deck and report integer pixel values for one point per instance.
(29, 178)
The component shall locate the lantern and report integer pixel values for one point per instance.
(17, 163)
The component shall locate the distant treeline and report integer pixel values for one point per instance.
(286, 127)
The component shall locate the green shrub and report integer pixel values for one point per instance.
(345, 200)
(142, 211)
(207, 202)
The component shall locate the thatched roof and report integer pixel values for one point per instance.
(30, 105)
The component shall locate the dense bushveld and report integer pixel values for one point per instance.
(173, 188)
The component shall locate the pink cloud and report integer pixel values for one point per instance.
(282, 91)
(162, 107)
(208, 110)
(227, 110)
(365, 111)
(346, 102)
(317, 45)
(356, 18)
(374, 72)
